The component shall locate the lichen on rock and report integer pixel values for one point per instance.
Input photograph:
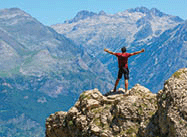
(138, 113)
(172, 105)
(98, 115)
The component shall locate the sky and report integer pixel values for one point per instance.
(50, 12)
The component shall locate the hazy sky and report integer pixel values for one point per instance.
(51, 12)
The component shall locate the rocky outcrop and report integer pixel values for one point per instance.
(172, 106)
(138, 113)
(98, 115)
(170, 120)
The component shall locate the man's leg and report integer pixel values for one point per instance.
(116, 84)
(126, 85)
(120, 72)
(126, 77)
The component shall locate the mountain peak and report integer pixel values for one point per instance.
(82, 15)
(139, 9)
(15, 9)
(157, 12)
(85, 13)
(11, 10)
(102, 13)
(8, 13)
(153, 11)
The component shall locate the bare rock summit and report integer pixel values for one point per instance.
(105, 116)
(137, 113)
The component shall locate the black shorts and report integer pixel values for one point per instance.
(124, 71)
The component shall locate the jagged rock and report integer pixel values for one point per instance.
(172, 103)
(136, 113)
(170, 118)
(95, 129)
(107, 116)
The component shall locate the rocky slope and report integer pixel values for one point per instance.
(164, 55)
(30, 48)
(139, 113)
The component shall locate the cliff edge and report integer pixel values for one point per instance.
(140, 113)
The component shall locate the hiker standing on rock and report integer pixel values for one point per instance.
(123, 65)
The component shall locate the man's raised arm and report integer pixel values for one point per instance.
(110, 52)
(138, 52)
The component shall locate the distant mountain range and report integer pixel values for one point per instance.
(163, 36)
(42, 66)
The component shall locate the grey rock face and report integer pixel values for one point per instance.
(170, 118)
(138, 113)
(107, 116)
(29, 48)
(172, 105)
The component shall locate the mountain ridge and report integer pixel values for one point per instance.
(42, 71)
(84, 14)
(134, 28)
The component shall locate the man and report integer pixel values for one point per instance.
(123, 65)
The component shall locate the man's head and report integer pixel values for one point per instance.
(123, 49)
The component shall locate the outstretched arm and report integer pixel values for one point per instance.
(138, 52)
(110, 52)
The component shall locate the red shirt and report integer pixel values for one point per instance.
(122, 59)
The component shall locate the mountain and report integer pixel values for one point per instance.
(127, 26)
(81, 16)
(134, 28)
(165, 55)
(44, 69)
(40, 67)
(137, 113)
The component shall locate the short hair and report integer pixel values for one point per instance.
(123, 49)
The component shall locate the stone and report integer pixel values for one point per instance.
(91, 103)
(115, 129)
(95, 129)
(73, 111)
(104, 135)
(141, 113)
(172, 108)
